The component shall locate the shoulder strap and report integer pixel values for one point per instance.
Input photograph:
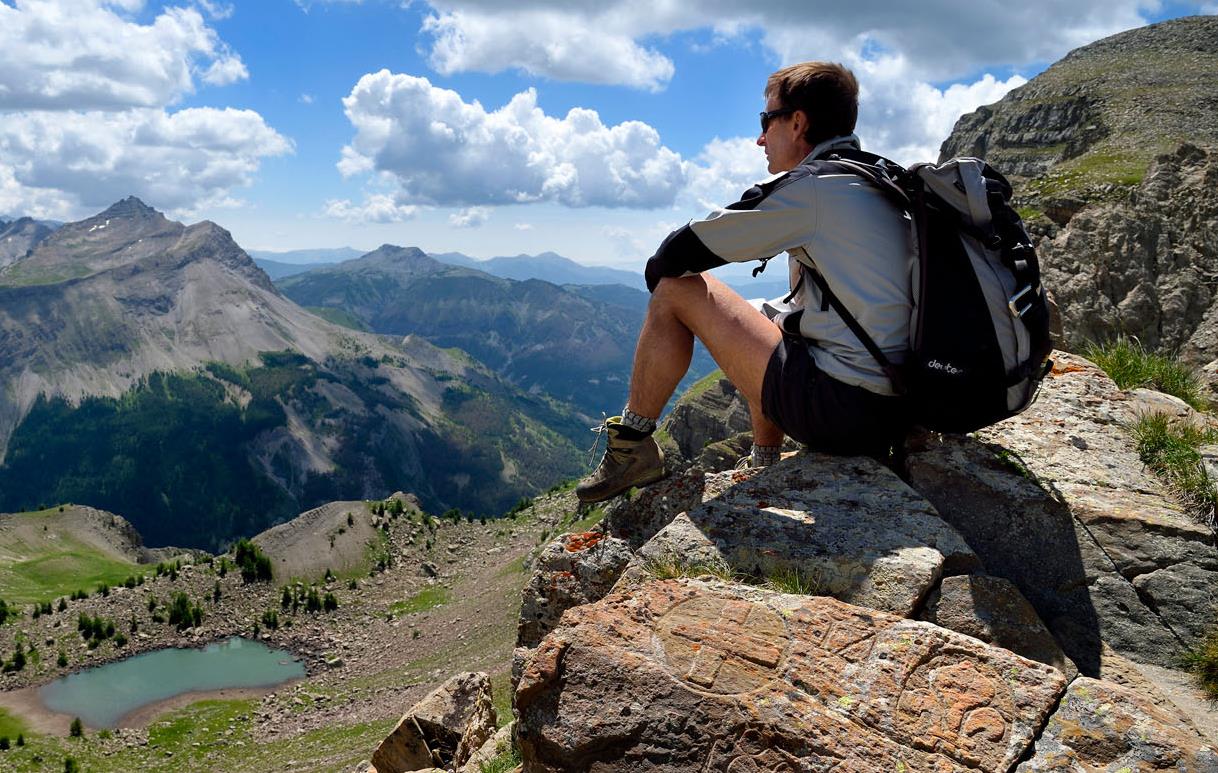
(891, 371)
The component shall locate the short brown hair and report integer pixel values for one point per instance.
(827, 92)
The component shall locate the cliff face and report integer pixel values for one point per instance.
(1101, 114)
(1145, 265)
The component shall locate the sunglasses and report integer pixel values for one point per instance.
(769, 115)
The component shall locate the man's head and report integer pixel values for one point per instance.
(809, 102)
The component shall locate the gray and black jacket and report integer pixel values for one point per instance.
(840, 223)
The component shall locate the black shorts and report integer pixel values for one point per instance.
(824, 413)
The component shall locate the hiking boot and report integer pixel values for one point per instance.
(626, 463)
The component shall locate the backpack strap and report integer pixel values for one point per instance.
(891, 371)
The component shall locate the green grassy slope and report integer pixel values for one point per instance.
(41, 559)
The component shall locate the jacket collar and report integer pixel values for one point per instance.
(836, 143)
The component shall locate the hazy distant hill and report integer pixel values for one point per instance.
(276, 270)
(277, 265)
(150, 368)
(547, 266)
(19, 236)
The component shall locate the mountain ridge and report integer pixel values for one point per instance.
(113, 318)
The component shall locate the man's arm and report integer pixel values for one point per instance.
(771, 217)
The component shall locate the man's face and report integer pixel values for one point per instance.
(783, 139)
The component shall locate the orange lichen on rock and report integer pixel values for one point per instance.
(583, 541)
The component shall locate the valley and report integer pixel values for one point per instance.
(426, 597)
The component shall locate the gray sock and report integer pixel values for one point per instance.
(764, 456)
(636, 422)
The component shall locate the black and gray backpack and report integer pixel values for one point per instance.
(979, 335)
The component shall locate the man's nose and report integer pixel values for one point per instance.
(761, 140)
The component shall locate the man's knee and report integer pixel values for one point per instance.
(677, 292)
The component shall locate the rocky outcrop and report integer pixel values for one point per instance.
(993, 610)
(1111, 153)
(19, 237)
(848, 527)
(700, 417)
(572, 570)
(1097, 116)
(1145, 264)
(685, 675)
(1104, 726)
(441, 731)
(1057, 501)
(1041, 538)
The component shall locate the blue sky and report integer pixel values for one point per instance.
(586, 128)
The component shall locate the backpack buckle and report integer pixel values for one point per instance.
(1013, 303)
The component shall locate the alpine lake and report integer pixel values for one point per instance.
(102, 696)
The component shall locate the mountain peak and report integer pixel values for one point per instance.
(130, 207)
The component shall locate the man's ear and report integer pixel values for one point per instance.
(800, 123)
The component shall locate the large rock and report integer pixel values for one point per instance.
(847, 525)
(682, 675)
(1057, 501)
(442, 730)
(573, 569)
(1104, 726)
(993, 610)
(638, 518)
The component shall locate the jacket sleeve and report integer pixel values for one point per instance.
(772, 216)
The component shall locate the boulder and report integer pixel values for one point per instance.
(849, 526)
(637, 518)
(684, 675)
(442, 730)
(1104, 726)
(993, 610)
(573, 569)
(1057, 501)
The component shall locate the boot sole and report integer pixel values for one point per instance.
(645, 481)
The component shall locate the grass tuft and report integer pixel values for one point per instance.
(1203, 663)
(671, 567)
(791, 580)
(506, 759)
(1169, 449)
(1128, 363)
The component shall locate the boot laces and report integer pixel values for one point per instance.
(600, 431)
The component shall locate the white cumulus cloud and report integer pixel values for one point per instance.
(376, 208)
(470, 217)
(85, 91)
(542, 41)
(615, 41)
(182, 160)
(443, 150)
(90, 55)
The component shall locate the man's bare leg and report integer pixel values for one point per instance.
(739, 337)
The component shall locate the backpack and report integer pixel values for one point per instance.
(979, 335)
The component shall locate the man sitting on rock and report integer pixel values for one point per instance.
(800, 368)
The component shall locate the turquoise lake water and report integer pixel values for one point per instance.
(102, 696)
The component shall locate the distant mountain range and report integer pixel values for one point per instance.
(151, 368)
(573, 343)
(547, 266)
